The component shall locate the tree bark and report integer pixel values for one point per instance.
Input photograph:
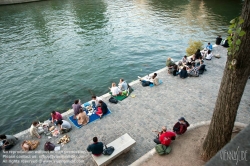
(231, 90)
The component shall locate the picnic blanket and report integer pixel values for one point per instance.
(160, 82)
(122, 97)
(92, 117)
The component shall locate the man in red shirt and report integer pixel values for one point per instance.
(55, 116)
(165, 137)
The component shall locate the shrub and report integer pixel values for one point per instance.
(193, 47)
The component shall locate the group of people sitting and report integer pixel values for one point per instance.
(193, 66)
(121, 89)
(165, 137)
(98, 106)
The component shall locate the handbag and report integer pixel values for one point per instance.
(48, 146)
(108, 150)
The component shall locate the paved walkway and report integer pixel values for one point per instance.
(193, 98)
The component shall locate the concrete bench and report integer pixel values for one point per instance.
(122, 145)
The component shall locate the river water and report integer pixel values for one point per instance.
(53, 52)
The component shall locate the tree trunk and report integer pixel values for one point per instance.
(231, 90)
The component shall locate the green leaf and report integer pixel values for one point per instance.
(229, 37)
(229, 42)
(238, 30)
(231, 26)
(241, 21)
(232, 21)
(237, 48)
(229, 49)
(238, 42)
(229, 53)
(242, 33)
(229, 31)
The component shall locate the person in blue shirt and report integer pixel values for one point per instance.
(209, 47)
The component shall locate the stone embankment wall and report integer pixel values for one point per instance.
(7, 2)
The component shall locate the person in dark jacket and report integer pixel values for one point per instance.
(225, 44)
(176, 70)
(181, 126)
(218, 40)
(198, 54)
(183, 73)
(102, 109)
(96, 148)
(201, 68)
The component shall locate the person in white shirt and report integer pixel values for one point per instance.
(115, 90)
(33, 129)
(209, 55)
(95, 101)
(64, 126)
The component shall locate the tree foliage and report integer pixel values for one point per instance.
(193, 47)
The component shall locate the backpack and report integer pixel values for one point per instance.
(145, 83)
(162, 149)
(108, 150)
(48, 146)
(113, 100)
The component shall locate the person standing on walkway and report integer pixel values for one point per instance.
(165, 137)
(96, 148)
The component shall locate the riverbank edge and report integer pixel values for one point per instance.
(152, 152)
(106, 95)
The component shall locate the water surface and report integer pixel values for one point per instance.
(53, 52)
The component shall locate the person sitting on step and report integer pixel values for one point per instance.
(82, 117)
(33, 129)
(170, 64)
(218, 40)
(181, 126)
(64, 125)
(183, 73)
(165, 137)
(102, 109)
(95, 101)
(76, 107)
(123, 85)
(55, 116)
(209, 55)
(209, 47)
(193, 71)
(115, 90)
(176, 70)
(96, 148)
(201, 68)
(150, 80)
(8, 141)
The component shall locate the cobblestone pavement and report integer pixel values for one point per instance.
(193, 98)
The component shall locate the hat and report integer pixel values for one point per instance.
(182, 118)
